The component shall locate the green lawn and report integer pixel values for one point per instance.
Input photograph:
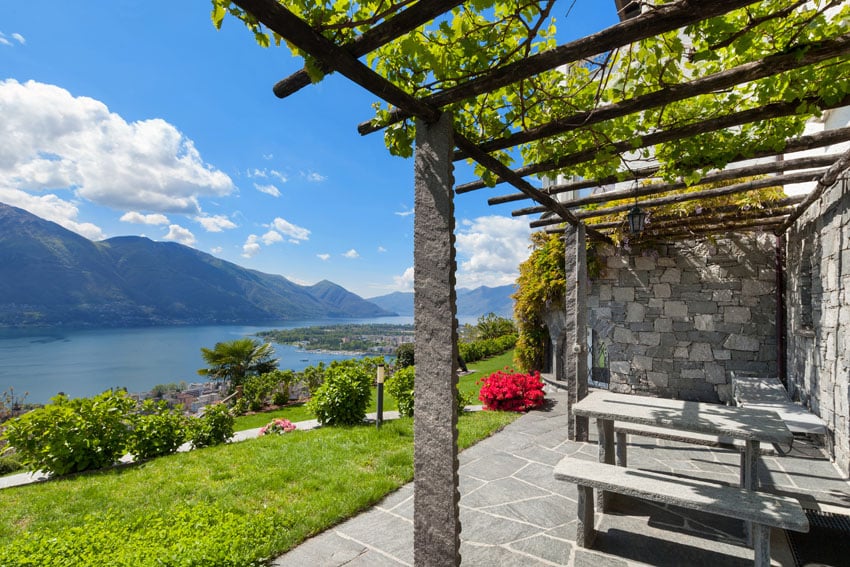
(231, 505)
(466, 384)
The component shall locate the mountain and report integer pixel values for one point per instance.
(52, 276)
(470, 302)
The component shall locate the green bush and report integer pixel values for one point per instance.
(312, 377)
(73, 435)
(10, 463)
(213, 428)
(258, 390)
(404, 355)
(157, 430)
(400, 386)
(479, 350)
(344, 396)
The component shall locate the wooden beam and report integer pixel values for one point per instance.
(769, 66)
(403, 22)
(825, 182)
(499, 168)
(684, 197)
(724, 175)
(798, 144)
(289, 26)
(660, 19)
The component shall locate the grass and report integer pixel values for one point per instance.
(466, 385)
(231, 505)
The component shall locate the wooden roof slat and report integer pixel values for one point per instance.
(420, 13)
(726, 174)
(287, 25)
(825, 182)
(801, 143)
(499, 168)
(771, 65)
(663, 18)
(780, 207)
(684, 197)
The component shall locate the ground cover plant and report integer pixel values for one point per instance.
(229, 505)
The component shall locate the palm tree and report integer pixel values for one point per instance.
(238, 359)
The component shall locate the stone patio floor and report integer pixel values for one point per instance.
(513, 512)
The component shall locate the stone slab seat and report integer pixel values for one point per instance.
(706, 439)
(762, 510)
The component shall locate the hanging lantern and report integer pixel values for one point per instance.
(637, 219)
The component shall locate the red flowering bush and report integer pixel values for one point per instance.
(508, 390)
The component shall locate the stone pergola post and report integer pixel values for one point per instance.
(436, 513)
(575, 329)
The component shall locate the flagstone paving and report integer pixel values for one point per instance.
(514, 513)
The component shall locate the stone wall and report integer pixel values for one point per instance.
(818, 314)
(676, 318)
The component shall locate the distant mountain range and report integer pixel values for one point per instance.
(470, 302)
(50, 276)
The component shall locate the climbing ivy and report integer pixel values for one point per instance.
(541, 286)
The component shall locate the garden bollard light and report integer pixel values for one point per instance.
(380, 382)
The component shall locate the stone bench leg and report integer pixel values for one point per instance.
(585, 531)
(605, 431)
(761, 544)
(622, 439)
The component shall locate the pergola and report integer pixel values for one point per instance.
(577, 141)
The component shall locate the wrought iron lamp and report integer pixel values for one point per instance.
(637, 220)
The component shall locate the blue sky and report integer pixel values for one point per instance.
(139, 118)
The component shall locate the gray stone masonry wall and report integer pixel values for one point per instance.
(818, 313)
(677, 318)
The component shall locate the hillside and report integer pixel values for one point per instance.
(470, 302)
(52, 276)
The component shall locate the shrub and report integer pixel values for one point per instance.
(279, 426)
(404, 355)
(343, 397)
(157, 430)
(213, 428)
(73, 435)
(312, 377)
(258, 390)
(10, 463)
(479, 350)
(511, 391)
(400, 386)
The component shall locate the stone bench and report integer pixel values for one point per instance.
(761, 510)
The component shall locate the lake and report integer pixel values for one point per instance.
(85, 362)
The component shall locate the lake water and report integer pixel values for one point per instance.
(45, 362)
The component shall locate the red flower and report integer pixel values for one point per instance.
(509, 390)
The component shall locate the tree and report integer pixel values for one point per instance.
(492, 326)
(235, 360)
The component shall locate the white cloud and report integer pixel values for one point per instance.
(179, 234)
(271, 237)
(351, 254)
(268, 189)
(404, 282)
(19, 38)
(215, 223)
(323, 257)
(283, 178)
(216, 249)
(314, 177)
(381, 249)
(490, 250)
(138, 218)
(251, 247)
(3, 40)
(76, 144)
(295, 233)
(404, 213)
(52, 208)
